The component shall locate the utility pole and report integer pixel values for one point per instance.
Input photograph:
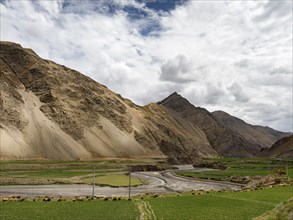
(129, 185)
(268, 168)
(94, 180)
(287, 170)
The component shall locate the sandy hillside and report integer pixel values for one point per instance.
(51, 111)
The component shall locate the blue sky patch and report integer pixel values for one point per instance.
(135, 13)
(162, 5)
(152, 28)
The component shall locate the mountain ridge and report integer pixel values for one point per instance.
(223, 137)
(283, 148)
(53, 112)
(248, 131)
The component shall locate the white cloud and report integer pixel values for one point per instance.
(238, 93)
(234, 55)
(178, 70)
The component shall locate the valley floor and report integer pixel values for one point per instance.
(63, 190)
(201, 205)
(158, 182)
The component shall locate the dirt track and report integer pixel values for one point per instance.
(159, 182)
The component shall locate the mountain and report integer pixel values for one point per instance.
(229, 136)
(53, 112)
(282, 148)
(255, 134)
(49, 111)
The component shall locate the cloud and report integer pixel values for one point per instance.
(235, 55)
(177, 70)
(238, 93)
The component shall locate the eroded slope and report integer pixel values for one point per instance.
(51, 111)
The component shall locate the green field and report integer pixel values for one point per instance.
(61, 170)
(229, 205)
(114, 180)
(68, 210)
(55, 170)
(242, 167)
(32, 172)
(45, 174)
(282, 211)
(215, 205)
(223, 174)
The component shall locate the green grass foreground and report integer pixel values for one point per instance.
(216, 205)
(68, 210)
(282, 211)
(229, 205)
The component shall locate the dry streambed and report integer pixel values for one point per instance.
(158, 182)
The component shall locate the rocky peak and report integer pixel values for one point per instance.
(176, 102)
(173, 96)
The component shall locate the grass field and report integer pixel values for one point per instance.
(282, 211)
(243, 167)
(55, 170)
(114, 180)
(45, 174)
(216, 205)
(228, 205)
(68, 210)
(58, 169)
(222, 174)
(32, 172)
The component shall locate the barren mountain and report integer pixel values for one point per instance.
(53, 112)
(282, 148)
(49, 111)
(255, 134)
(228, 135)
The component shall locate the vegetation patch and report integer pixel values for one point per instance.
(52, 172)
(283, 211)
(240, 170)
(45, 174)
(116, 180)
(146, 212)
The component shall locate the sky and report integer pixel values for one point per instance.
(234, 56)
